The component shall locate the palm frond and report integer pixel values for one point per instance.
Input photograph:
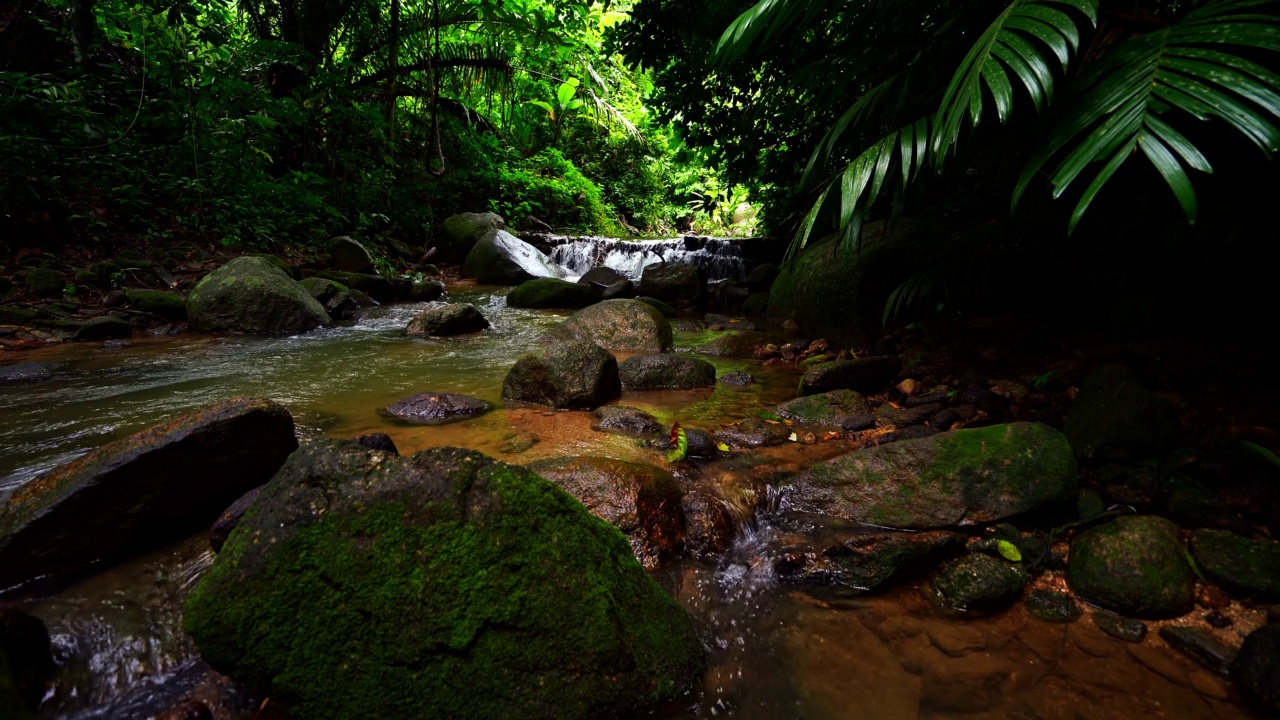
(1125, 103)
(766, 20)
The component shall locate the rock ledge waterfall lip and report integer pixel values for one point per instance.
(718, 258)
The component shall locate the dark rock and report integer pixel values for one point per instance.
(99, 328)
(1119, 627)
(929, 399)
(757, 303)
(1050, 606)
(426, 291)
(349, 255)
(1089, 504)
(25, 645)
(1246, 567)
(867, 562)
(1200, 645)
(673, 282)
(1134, 566)
(980, 398)
(665, 372)
(573, 375)
(280, 265)
(621, 325)
(500, 258)
(737, 378)
(229, 518)
(552, 293)
(1115, 416)
(701, 444)
(724, 322)
(944, 419)
(625, 420)
(447, 319)
(977, 583)
(602, 277)
(187, 710)
(828, 409)
(868, 374)
(167, 305)
(621, 290)
(250, 295)
(26, 372)
(761, 278)
(141, 490)
(642, 501)
(887, 414)
(666, 310)
(917, 432)
(964, 477)
(710, 524)
(375, 286)
(43, 282)
(16, 315)
(380, 586)
(378, 441)
(741, 344)
(753, 432)
(859, 422)
(1257, 667)
(322, 289)
(430, 408)
(460, 233)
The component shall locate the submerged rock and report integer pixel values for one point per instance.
(978, 583)
(737, 378)
(740, 344)
(963, 477)
(829, 409)
(1050, 606)
(461, 232)
(753, 432)
(868, 374)
(139, 491)
(448, 584)
(1120, 627)
(867, 562)
(27, 372)
(250, 295)
(1257, 667)
(447, 319)
(552, 293)
(1246, 567)
(570, 375)
(665, 372)
(1114, 416)
(621, 325)
(642, 501)
(1133, 566)
(431, 408)
(625, 420)
(1200, 645)
(500, 258)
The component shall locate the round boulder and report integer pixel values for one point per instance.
(447, 319)
(250, 295)
(432, 408)
(621, 325)
(978, 582)
(665, 372)
(500, 258)
(624, 420)
(1134, 566)
(552, 293)
(673, 282)
(828, 409)
(349, 255)
(571, 375)
(1246, 567)
(460, 233)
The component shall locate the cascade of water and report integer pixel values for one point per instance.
(719, 259)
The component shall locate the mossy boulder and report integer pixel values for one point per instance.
(349, 255)
(552, 293)
(1116, 417)
(570, 375)
(1246, 567)
(866, 374)
(10, 315)
(45, 282)
(673, 283)
(740, 344)
(1133, 566)
(167, 305)
(432, 408)
(375, 286)
(275, 260)
(753, 433)
(99, 275)
(142, 490)
(642, 501)
(362, 584)
(757, 303)
(250, 295)
(426, 291)
(964, 477)
(447, 319)
(500, 258)
(460, 232)
(621, 325)
(665, 372)
(865, 563)
(830, 409)
(978, 583)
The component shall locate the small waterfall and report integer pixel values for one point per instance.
(719, 259)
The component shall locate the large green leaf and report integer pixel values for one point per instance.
(765, 20)
(1131, 100)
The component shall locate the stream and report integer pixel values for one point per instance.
(773, 650)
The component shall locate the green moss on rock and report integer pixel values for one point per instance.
(1246, 567)
(250, 295)
(621, 325)
(978, 583)
(552, 293)
(1134, 566)
(43, 282)
(1115, 417)
(165, 304)
(828, 409)
(665, 372)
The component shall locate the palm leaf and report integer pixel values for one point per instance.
(1125, 103)
(766, 20)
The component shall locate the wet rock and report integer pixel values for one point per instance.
(867, 562)
(1133, 566)
(621, 290)
(917, 432)
(378, 441)
(1119, 627)
(1114, 416)
(666, 310)
(518, 442)
(642, 501)
(741, 344)
(1246, 567)
(26, 372)
(97, 329)
(862, 421)
(426, 291)
(828, 409)
(625, 420)
(1200, 645)
(710, 524)
(460, 233)
(665, 372)
(416, 577)
(757, 303)
(375, 286)
(432, 408)
(977, 583)
(571, 375)
(701, 444)
(673, 282)
(447, 319)
(139, 491)
(552, 293)
(349, 255)
(724, 322)
(250, 295)
(44, 282)
(887, 415)
(229, 518)
(753, 432)
(964, 477)
(17, 315)
(1257, 667)
(279, 264)
(500, 258)
(167, 305)
(761, 277)
(937, 397)
(867, 374)
(26, 647)
(621, 325)
(602, 277)
(737, 378)
(187, 710)
(1050, 606)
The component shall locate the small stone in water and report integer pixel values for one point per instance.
(1051, 606)
(1123, 628)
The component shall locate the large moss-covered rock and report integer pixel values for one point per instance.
(1115, 417)
(978, 582)
(621, 325)
(141, 490)
(867, 374)
(1244, 566)
(642, 501)
(363, 585)
(553, 293)
(500, 258)
(460, 232)
(45, 282)
(829, 409)
(673, 283)
(665, 372)
(447, 319)
(250, 295)
(571, 375)
(740, 344)
(1134, 566)
(867, 562)
(167, 305)
(964, 477)
(840, 295)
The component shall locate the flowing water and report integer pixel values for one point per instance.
(718, 258)
(774, 652)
